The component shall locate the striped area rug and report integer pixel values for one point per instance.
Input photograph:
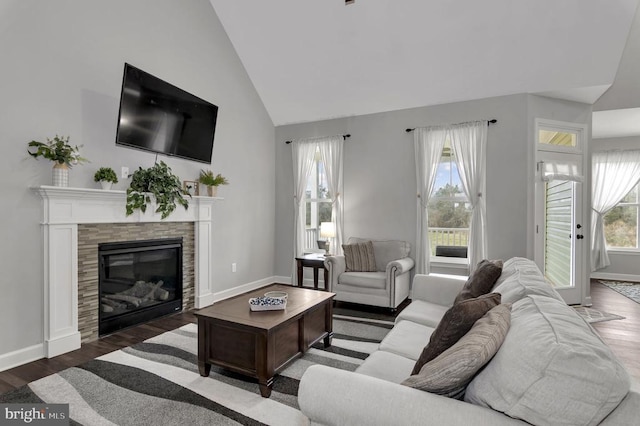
(157, 382)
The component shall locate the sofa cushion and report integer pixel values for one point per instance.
(406, 339)
(364, 279)
(481, 280)
(385, 251)
(521, 277)
(387, 366)
(359, 257)
(455, 323)
(450, 372)
(552, 368)
(423, 312)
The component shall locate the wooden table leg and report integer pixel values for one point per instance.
(328, 323)
(315, 278)
(299, 273)
(265, 388)
(326, 279)
(204, 368)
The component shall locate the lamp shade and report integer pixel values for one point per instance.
(327, 229)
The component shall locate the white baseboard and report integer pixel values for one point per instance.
(225, 294)
(615, 277)
(282, 280)
(21, 356)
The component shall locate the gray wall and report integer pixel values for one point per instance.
(624, 263)
(379, 170)
(61, 73)
(379, 173)
(624, 93)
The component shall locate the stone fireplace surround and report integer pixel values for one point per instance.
(92, 234)
(66, 208)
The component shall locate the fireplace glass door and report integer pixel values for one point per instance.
(139, 281)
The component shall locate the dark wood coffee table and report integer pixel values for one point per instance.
(261, 344)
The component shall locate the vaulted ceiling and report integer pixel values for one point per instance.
(317, 59)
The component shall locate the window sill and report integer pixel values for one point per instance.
(624, 251)
(450, 262)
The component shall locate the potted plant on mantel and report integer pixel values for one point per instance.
(162, 184)
(212, 182)
(59, 151)
(106, 176)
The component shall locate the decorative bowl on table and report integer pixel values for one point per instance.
(264, 303)
(277, 294)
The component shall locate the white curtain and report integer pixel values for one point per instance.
(303, 153)
(614, 174)
(331, 153)
(469, 144)
(561, 170)
(428, 144)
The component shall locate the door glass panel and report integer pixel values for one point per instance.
(555, 138)
(558, 246)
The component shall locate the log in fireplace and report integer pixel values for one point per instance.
(138, 281)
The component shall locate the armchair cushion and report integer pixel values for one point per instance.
(455, 323)
(451, 371)
(364, 279)
(481, 280)
(360, 257)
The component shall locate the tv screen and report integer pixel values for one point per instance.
(157, 116)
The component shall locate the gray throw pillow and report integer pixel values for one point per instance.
(455, 323)
(359, 257)
(450, 372)
(481, 280)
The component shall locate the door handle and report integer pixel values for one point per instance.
(578, 226)
(579, 236)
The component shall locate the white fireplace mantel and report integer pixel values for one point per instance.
(65, 208)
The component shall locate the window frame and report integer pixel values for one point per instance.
(446, 261)
(636, 204)
(309, 201)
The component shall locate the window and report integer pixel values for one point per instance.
(449, 210)
(621, 222)
(318, 203)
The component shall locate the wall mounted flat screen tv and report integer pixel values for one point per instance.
(159, 117)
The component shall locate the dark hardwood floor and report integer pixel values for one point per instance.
(623, 336)
(18, 376)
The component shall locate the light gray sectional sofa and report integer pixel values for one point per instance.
(552, 368)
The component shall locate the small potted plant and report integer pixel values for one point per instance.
(160, 182)
(212, 182)
(106, 176)
(61, 153)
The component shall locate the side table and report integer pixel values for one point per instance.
(316, 262)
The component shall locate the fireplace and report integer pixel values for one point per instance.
(75, 221)
(138, 281)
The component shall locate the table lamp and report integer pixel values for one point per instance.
(328, 231)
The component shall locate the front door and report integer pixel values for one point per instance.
(559, 234)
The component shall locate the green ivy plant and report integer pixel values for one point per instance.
(58, 150)
(105, 174)
(207, 178)
(160, 182)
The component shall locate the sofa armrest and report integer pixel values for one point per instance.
(335, 265)
(330, 396)
(401, 265)
(438, 289)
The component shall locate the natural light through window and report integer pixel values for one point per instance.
(449, 210)
(318, 203)
(621, 222)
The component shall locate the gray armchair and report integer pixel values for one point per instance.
(386, 287)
